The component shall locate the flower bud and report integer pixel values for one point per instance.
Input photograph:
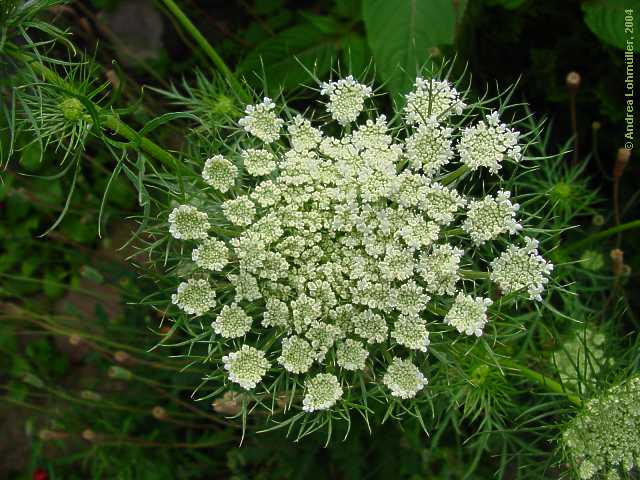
(72, 109)
(159, 413)
(119, 373)
(89, 435)
(573, 81)
(624, 154)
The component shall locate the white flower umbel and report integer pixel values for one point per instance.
(276, 314)
(488, 144)
(240, 211)
(404, 379)
(429, 148)
(521, 268)
(258, 162)
(211, 254)
(440, 269)
(188, 223)
(351, 355)
(372, 135)
(346, 98)
(411, 332)
(323, 391)
(440, 203)
(370, 326)
(432, 98)
(297, 354)
(604, 439)
(246, 366)
(195, 296)
(302, 135)
(490, 217)
(335, 250)
(261, 121)
(232, 322)
(322, 337)
(220, 173)
(468, 314)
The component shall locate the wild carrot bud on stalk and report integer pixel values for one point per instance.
(159, 413)
(122, 357)
(229, 404)
(75, 339)
(573, 81)
(622, 159)
(617, 259)
(89, 435)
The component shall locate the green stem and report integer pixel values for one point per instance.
(108, 119)
(473, 275)
(453, 176)
(543, 380)
(208, 49)
(603, 234)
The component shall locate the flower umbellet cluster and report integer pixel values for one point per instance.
(603, 441)
(332, 255)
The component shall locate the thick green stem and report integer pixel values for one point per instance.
(109, 120)
(603, 234)
(208, 49)
(543, 380)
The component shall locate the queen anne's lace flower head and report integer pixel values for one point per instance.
(246, 366)
(432, 99)
(232, 322)
(330, 251)
(439, 269)
(195, 297)
(261, 121)
(430, 147)
(303, 135)
(211, 254)
(411, 331)
(240, 211)
(297, 354)
(468, 314)
(521, 267)
(488, 144)
(346, 98)
(490, 217)
(323, 391)
(404, 379)
(351, 355)
(188, 223)
(604, 439)
(220, 173)
(258, 162)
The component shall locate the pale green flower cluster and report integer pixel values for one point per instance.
(581, 356)
(604, 439)
(336, 253)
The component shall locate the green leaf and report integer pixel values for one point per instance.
(607, 20)
(312, 47)
(508, 4)
(400, 34)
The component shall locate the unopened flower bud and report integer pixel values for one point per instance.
(89, 435)
(72, 109)
(573, 81)
(159, 413)
(122, 357)
(597, 220)
(624, 154)
(617, 257)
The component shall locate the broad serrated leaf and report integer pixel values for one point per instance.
(401, 32)
(606, 19)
